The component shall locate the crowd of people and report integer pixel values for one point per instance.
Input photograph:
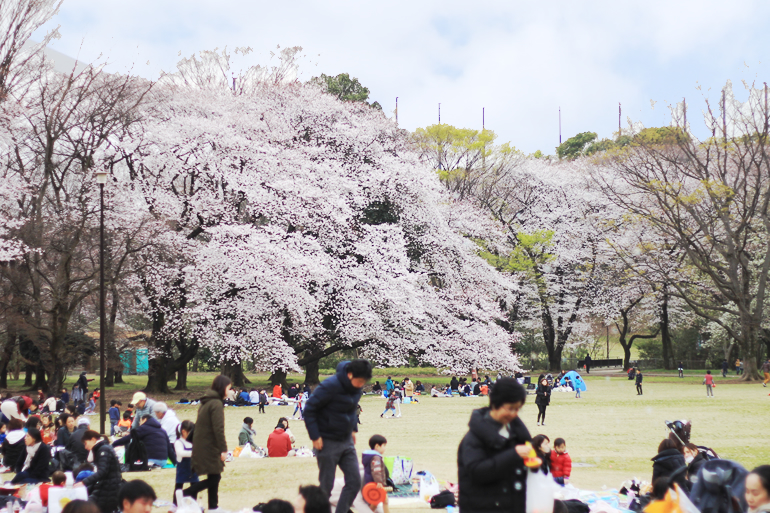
(494, 458)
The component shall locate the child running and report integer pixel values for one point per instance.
(183, 448)
(561, 462)
(375, 470)
(390, 404)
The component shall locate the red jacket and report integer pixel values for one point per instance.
(561, 464)
(278, 444)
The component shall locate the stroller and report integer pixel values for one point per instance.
(679, 432)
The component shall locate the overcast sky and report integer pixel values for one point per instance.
(519, 60)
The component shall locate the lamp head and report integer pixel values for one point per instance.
(101, 176)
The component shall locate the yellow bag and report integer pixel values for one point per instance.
(237, 452)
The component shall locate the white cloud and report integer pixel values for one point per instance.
(519, 60)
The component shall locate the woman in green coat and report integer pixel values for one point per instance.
(209, 446)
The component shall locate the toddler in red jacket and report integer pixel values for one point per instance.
(561, 463)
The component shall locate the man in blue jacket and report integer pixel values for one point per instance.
(331, 419)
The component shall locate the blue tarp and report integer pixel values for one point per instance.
(577, 381)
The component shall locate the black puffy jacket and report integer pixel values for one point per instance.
(39, 467)
(11, 451)
(543, 395)
(104, 484)
(332, 410)
(155, 439)
(666, 463)
(492, 475)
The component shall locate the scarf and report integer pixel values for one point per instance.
(31, 451)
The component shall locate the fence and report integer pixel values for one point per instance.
(651, 363)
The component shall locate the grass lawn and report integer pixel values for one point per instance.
(611, 430)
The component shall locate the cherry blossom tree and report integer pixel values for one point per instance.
(300, 226)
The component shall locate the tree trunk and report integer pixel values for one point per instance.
(157, 376)
(665, 336)
(195, 364)
(278, 377)
(312, 375)
(234, 371)
(7, 355)
(55, 381)
(40, 382)
(549, 337)
(119, 376)
(181, 381)
(109, 377)
(30, 371)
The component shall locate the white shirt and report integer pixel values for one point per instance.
(169, 422)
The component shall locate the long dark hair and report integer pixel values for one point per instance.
(220, 384)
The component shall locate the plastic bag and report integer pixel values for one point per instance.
(245, 452)
(428, 487)
(540, 489)
(186, 504)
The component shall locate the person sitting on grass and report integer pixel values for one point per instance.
(124, 424)
(13, 445)
(694, 460)
(32, 465)
(375, 470)
(667, 462)
(155, 440)
(58, 480)
(136, 497)
(279, 443)
(542, 446)
(247, 434)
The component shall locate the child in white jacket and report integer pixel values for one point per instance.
(183, 447)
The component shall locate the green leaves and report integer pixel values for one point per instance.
(573, 147)
(345, 88)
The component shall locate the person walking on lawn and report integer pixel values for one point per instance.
(331, 419)
(639, 379)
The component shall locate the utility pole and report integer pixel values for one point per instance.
(620, 130)
(484, 149)
(684, 109)
(439, 113)
(559, 126)
(396, 110)
(608, 342)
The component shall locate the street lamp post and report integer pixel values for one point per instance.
(101, 179)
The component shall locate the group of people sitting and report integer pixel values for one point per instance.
(296, 395)
(280, 441)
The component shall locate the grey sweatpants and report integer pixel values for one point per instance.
(343, 454)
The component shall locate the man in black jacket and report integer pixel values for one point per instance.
(490, 459)
(103, 485)
(75, 444)
(156, 441)
(331, 419)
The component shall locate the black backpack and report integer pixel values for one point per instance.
(136, 454)
(442, 500)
